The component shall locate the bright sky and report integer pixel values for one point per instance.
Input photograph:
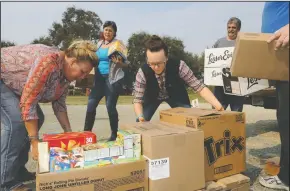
(198, 24)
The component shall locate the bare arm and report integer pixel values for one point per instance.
(187, 75)
(60, 111)
(138, 107)
(210, 98)
(63, 120)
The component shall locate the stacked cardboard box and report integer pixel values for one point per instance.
(69, 163)
(188, 149)
(175, 155)
(224, 138)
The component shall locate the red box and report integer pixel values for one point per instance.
(70, 140)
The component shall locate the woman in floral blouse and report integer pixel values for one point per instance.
(33, 74)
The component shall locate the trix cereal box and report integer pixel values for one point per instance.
(70, 140)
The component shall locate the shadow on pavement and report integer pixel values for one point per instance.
(260, 127)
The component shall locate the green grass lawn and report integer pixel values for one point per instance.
(123, 100)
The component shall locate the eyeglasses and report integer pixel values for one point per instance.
(156, 64)
(109, 23)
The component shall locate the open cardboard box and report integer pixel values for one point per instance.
(117, 177)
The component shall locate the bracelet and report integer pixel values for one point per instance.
(141, 115)
(36, 137)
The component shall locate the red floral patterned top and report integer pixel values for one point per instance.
(34, 72)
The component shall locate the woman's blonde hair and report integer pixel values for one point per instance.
(83, 50)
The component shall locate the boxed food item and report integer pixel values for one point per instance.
(255, 58)
(99, 154)
(43, 157)
(64, 160)
(224, 138)
(175, 155)
(131, 142)
(59, 160)
(214, 60)
(77, 157)
(126, 146)
(70, 140)
(130, 176)
(118, 49)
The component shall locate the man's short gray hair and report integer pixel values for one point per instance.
(237, 21)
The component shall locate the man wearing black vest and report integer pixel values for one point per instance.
(158, 81)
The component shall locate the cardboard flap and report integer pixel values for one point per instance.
(254, 36)
(196, 112)
(154, 129)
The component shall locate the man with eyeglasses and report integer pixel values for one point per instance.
(236, 102)
(159, 80)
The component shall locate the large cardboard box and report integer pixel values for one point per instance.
(175, 155)
(214, 60)
(119, 177)
(213, 76)
(217, 65)
(239, 86)
(224, 138)
(255, 58)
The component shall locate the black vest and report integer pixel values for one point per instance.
(175, 86)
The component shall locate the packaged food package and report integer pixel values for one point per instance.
(70, 140)
(126, 148)
(64, 160)
(59, 160)
(77, 158)
(118, 49)
(131, 142)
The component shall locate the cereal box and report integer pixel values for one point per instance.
(118, 49)
(59, 160)
(77, 158)
(70, 140)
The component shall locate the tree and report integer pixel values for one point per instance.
(75, 24)
(136, 56)
(7, 44)
(43, 40)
